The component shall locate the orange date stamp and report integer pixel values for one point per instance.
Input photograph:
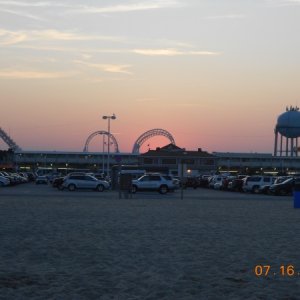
(282, 271)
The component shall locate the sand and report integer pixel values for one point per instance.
(94, 246)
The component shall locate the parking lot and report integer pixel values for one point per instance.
(93, 245)
(46, 190)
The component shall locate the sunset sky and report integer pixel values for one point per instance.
(214, 73)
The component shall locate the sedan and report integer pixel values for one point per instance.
(4, 181)
(284, 188)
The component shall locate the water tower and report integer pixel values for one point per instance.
(288, 131)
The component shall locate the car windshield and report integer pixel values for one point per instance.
(288, 180)
(144, 178)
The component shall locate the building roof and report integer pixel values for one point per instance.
(46, 152)
(175, 151)
(242, 155)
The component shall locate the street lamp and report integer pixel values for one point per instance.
(108, 118)
(103, 143)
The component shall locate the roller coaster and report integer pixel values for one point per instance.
(9, 141)
(138, 143)
(135, 150)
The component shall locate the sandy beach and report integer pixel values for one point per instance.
(88, 245)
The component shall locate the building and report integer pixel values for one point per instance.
(96, 161)
(174, 160)
(6, 159)
(168, 159)
(250, 163)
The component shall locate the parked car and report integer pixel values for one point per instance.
(216, 182)
(4, 181)
(52, 176)
(204, 181)
(284, 188)
(12, 180)
(23, 177)
(99, 176)
(177, 182)
(73, 182)
(226, 181)
(154, 182)
(31, 176)
(236, 185)
(193, 182)
(41, 180)
(282, 179)
(253, 183)
(57, 182)
(264, 189)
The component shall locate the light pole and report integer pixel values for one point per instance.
(103, 143)
(108, 118)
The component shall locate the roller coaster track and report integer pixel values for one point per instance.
(149, 134)
(9, 141)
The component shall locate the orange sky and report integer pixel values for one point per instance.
(215, 75)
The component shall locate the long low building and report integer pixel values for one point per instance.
(256, 162)
(66, 159)
(170, 158)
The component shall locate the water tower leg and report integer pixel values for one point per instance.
(281, 141)
(275, 144)
(287, 147)
(292, 147)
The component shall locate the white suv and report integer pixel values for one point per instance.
(254, 183)
(154, 182)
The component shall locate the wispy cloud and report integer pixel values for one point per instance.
(8, 37)
(111, 68)
(173, 43)
(129, 7)
(232, 16)
(114, 68)
(70, 49)
(15, 7)
(11, 37)
(15, 74)
(21, 14)
(35, 4)
(171, 52)
(283, 2)
(73, 8)
(88, 51)
(86, 56)
(51, 34)
(22, 39)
